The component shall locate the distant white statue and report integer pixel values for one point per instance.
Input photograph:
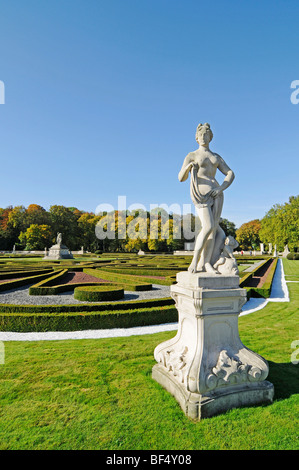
(207, 196)
(59, 238)
(286, 251)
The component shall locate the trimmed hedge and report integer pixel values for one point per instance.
(98, 293)
(67, 308)
(293, 256)
(141, 277)
(265, 290)
(129, 282)
(247, 277)
(42, 287)
(55, 290)
(22, 282)
(40, 322)
(22, 273)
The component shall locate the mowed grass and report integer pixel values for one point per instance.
(99, 394)
(291, 270)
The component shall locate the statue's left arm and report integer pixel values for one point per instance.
(229, 176)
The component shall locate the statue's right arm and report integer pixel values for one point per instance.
(187, 165)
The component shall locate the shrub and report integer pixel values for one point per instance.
(40, 287)
(98, 293)
(265, 289)
(9, 274)
(128, 282)
(293, 256)
(88, 320)
(22, 282)
(77, 308)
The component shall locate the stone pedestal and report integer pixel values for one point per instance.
(206, 367)
(58, 252)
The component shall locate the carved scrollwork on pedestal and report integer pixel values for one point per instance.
(175, 297)
(175, 362)
(230, 371)
(198, 306)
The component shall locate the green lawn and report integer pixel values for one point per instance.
(291, 270)
(99, 394)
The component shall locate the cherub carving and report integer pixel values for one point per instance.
(227, 263)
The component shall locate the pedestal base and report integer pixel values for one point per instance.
(197, 406)
(58, 252)
(205, 366)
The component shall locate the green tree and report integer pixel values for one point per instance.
(171, 231)
(86, 224)
(64, 220)
(280, 226)
(36, 214)
(228, 227)
(16, 223)
(36, 237)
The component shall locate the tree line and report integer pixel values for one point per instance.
(35, 228)
(280, 227)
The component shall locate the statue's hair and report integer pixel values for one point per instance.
(202, 127)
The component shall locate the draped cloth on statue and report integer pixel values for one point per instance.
(198, 199)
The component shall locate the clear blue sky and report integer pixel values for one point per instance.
(102, 98)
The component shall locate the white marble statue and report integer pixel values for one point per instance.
(59, 238)
(206, 367)
(207, 196)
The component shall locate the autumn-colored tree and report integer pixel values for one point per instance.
(17, 218)
(7, 239)
(248, 235)
(36, 237)
(13, 220)
(36, 214)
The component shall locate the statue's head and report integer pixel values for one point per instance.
(203, 134)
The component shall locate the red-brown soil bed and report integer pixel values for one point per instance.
(258, 281)
(10, 279)
(78, 277)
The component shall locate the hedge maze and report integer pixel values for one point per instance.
(99, 283)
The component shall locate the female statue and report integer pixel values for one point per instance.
(207, 196)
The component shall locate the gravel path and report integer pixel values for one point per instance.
(21, 296)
